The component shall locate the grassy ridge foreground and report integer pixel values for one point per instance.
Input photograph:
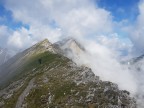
(32, 68)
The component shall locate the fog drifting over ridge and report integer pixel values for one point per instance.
(104, 62)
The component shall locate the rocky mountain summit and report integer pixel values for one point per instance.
(43, 77)
(71, 48)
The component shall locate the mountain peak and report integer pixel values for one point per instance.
(44, 43)
(40, 47)
(71, 47)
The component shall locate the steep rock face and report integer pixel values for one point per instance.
(56, 81)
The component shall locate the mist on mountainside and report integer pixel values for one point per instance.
(106, 63)
(4, 55)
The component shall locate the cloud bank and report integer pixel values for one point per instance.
(104, 63)
(56, 19)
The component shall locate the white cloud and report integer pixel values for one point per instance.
(120, 46)
(24, 38)
(29, 12)
(4, 34)
(85, 22)
(102, 59)
(19, 39)
(42, 32)
(3, 31)
(137, 31)
(76, 18)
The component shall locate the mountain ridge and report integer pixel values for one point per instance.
(52, 80)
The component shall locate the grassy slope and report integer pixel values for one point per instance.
(48, 60)
(59, 90)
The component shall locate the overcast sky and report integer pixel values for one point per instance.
(118, 24)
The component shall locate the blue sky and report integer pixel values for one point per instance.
(7, 18)
(24, 22)
(121, 9)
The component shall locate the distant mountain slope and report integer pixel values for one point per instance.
(4, 55)
(21, 60)
(41, 77)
